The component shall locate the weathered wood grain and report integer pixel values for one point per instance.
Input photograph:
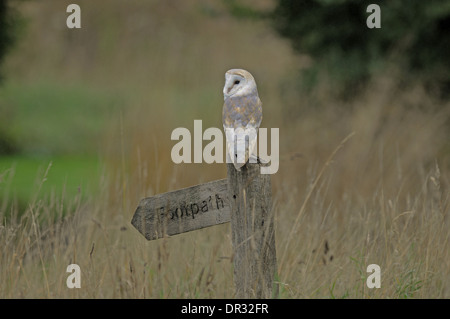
(253, 232)
(183, 210)
(245, 199)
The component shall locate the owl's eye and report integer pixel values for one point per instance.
(237, 82)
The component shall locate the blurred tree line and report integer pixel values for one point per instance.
(414, 39)
(8, 30)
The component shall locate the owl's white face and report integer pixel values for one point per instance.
(238, 83)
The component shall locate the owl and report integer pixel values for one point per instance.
(241, 116)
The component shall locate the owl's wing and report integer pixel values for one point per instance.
(241, 119)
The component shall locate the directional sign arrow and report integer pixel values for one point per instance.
(183, 210)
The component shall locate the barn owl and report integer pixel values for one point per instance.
(241, 116)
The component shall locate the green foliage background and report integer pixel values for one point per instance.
(7, 28)
(7, 37)
(413, 38)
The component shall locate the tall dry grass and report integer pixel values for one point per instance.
(379, 196)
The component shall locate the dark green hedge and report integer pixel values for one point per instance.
(414, 36)
(7, 29)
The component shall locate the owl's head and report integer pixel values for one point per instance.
(238, 82)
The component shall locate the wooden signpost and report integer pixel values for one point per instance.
(183, 210)
(244, 199)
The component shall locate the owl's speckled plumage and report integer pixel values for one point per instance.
(242, 115)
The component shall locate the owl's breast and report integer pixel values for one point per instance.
(240, 111)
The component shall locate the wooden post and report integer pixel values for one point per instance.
(252, 232)
(245, 200)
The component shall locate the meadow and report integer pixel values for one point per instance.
(91, 112)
